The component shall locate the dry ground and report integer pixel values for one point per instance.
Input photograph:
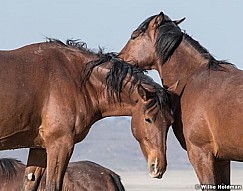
(172, 181)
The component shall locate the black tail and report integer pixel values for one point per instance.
(117, 181)
(8, 168)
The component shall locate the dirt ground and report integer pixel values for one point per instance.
(171, 181)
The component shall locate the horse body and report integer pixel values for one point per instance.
(52, 97)
(208, 95)
(82, 175)
(28, 95)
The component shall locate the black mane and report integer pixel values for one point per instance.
(168, 39)
(169, 36)
(8, 168)
(119, 71)
(76, 44)
(212, 62)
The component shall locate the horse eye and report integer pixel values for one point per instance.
(147, 120)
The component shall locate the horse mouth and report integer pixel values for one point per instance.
(154, 171)
(158, 175)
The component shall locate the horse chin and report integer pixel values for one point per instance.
(154, 171)
(158, 175)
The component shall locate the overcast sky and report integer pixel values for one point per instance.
(217, 24)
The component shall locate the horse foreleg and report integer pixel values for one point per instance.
(59, 152)
(35, 168)
(204, 166)
(223, 172)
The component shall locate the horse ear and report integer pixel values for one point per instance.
(158, 20)
(174, 86)
(144, 93)
(177, 22)
(135, 34)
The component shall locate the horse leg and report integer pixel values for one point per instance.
(35, 168)
(59, 152)
(223, 171)
(204, 166)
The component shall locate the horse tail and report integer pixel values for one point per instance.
(8, 168)
(117, 181)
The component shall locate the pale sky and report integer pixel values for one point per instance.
(217, 24)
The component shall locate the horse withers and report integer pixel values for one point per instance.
(81, 175)
(208, 95)
(50, 97)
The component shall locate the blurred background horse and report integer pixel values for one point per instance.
(81, 175)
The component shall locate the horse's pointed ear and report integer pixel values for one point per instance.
(158, 20)
(174, 86)
(144, 93)
(177, 22)
(135, 34)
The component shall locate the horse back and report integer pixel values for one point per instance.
(85, 172)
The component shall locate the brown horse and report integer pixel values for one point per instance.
(208, 95)
(82, 175)
(50, 97)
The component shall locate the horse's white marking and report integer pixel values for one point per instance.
(156, 166)
(30, 176)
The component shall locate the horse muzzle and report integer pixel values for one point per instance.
(155, 171)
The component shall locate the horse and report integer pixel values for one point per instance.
(51, 94)
(81, 175)
(208, 95)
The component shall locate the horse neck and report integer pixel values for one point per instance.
(96, 96)
(184, 62)
(112, 106)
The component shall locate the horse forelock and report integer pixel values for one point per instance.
(8, 168)
(121, 72)
(161, 99)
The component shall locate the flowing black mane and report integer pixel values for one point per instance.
(119, 71)
(212, 62)
(8, 168)
(76, 44)
(169, 36)
(168, 39)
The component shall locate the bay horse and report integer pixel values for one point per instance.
(50, 97)
(81, 175)
(208, 94)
